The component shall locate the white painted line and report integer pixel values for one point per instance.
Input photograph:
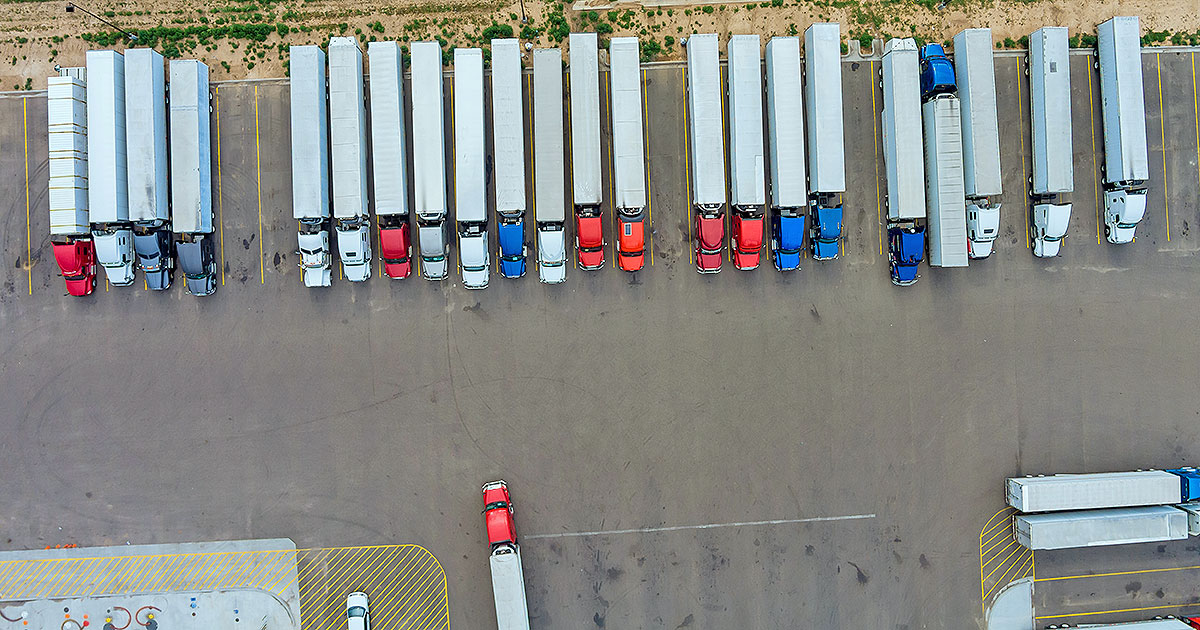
(648, 530)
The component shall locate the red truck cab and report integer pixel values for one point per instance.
(710, 242)
(747, 240)
(395, 245)
(498, 514)
(77, 260)
(589, 240)
(631, 241)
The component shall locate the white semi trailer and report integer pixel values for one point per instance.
(746, 150)
(826, 137)
(508, 150)
(190, 109)
(629, 152)
(310, 163)
(1050, 114)
(508, 587)
(903, 159)
(785, 144)
(429, 159)
(108, 183)
(976, 76)
(946, 202)
(1123, 108)
(388, 158)
(706, 131)
(1089, 491)
(587, 185)
(348, 141)
(1096, 528)
(470, 187)
(549, 189)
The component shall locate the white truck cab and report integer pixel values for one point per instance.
(434, 247)
(315, 261)
(552, 254)
(983, 225)
(1123, 210)
(114, 252)
(1049, 228)
(473, 253)
(354, 247)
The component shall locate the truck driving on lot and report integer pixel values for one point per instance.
(944, 195)
(629, 152)
(508, 148)
(549, 189)
(348, 138)
(746, 150)
(66, 107)
(785, 135)
(1055, 493)
(1095, 528)
(903, 159)
(310, 163)
(1123, 108)
(508, 578)
(585, 151)
(1050, 114)
(706, 130)
(470, 188)
(146, 148)
(191, 175)
(429, 159)
(976, 76)
(108, 198)
(388, 158)
(826, 141)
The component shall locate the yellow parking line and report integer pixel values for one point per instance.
(1021, 135)
(571, 188)
(220, 191)
(1120, 610)
(725, 156)
(875, 137)
(1162, 129)
(612, 175)
(1137, 572)
(1196, 113)
(28, 246)
(454, 181)
(1095, 175)
(262, 274)
(532, 166)
(647, 233)
(687, 167)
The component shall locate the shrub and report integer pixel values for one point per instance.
(496, 31)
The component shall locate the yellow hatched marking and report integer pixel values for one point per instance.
(406, 571)
(408, 587)
(1018, 563)
(390, 603)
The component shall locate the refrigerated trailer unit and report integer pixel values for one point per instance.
(470, 188)
(1123, 110)
(785, 141)
(508, 148)
(70, 236)
(903, 159)
(508, 587)
(1053, 493)
(348, 143)
(429, 159)
(1166, 623)
(310, 163)
(549, 189)
(976, 76)
(826, 138)
(587, 185)
(388, 165)
(747, 171)
(191, 175)
(629, 152)
(947, 214)
(706, 132)
(1050, 115)
(1096, 528)
(108, 192)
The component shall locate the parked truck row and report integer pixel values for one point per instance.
(1158, 623)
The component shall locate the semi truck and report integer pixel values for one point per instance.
(785, 141)
(470, 187)
(826, 138)
(429, 159)
(388, 151)
(310, 163)
(976, 77)
(191, 175)
(108, 183)
(1158, 623)
(549, 189)
(1050, 114)
(508, 578)
(70, 235)
(747, 171)
(508, 149)
(706, 132)
(1053, 493)
(903, 159)
(586, 183)
(147, 172)
(944, 190)
(1097, 528)
(348, 141)
(1123, 109)
(629, 152)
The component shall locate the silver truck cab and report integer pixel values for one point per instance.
(552, 254)
(354, 247)
(114, 252)
(431, 237)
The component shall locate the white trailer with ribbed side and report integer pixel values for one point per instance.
(508, 151)
(108, 192)
(470, 187)
(629, 152)
(1165, 623)
(70, 235)
(826, 138)
(1097, 528)
(946, 203)
(1050, 116)
(706, 131)
(348, 144)
(508, 587)
(785, 147)
(190, 111)
(1123, 109)
(549, 189)
(746, 150)
(310, 163)
(388, 157)
(429, 159)
(976, 76)
(1089, 491)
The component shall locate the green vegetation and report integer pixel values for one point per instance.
(497, 31)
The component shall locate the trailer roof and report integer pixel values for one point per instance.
(980, 130)
(310, 133)
(902, 140)
(585, 120)
(388, 153)
(108, 192)
(66, 113)
(947, 210)
(347, 128)
(470, 192)
(745, 121)
(146, 135)
(706, 122)
(1050, 104)
(1123, 105)
(826, 133)
(629, 151)
(549, 187)
(428, 131)
(191, 157)
(785, 123)
(508, 125)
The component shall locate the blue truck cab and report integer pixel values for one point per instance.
(511, 234)
(906, 249)
(826, 230)
(787, 239)
(937, 72)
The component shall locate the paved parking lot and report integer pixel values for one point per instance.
(841, 441)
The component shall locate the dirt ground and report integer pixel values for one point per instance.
(34, 36)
